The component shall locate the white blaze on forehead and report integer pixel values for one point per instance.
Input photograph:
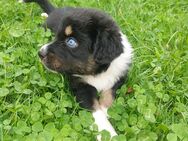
(115, 71)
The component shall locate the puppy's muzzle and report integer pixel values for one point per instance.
(41, 54)
(43, 51)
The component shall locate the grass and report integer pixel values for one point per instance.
(153, 105)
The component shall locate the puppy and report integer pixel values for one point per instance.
(92, 51)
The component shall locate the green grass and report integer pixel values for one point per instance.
(37, 105)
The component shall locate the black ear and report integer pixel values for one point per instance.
(107, 47)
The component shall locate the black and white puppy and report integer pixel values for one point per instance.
(92, 51)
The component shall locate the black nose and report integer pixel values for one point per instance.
(41, 55)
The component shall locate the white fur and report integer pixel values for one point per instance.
(44, 51)
(103, 124)
(105, 110)
(44, 48)
(117, 69)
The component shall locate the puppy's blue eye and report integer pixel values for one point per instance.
(71, 42)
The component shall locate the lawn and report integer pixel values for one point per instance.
(36, 105)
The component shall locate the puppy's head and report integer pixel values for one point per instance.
(86, 41)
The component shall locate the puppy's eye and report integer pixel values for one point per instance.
(71, 42)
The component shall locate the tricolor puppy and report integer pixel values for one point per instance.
(92, 51)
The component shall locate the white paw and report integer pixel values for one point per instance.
(103, 124)
(98, 137)
(105, 110)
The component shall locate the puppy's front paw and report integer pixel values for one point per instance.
(98, 137)
(103, 124)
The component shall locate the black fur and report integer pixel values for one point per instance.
(118, 85)
(108, 41)
(85, 94)
(99, 42)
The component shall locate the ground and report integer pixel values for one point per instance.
(36, 105)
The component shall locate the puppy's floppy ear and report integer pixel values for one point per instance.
(107, 46)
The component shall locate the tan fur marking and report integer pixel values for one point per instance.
(106, 98)
(96, 105)
(90, 64)
(68, 30)
(54, 61)
(57, 64)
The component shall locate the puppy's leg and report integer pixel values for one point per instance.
(106, 100)
(103, 123)
(86, 95)
(107, 97)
